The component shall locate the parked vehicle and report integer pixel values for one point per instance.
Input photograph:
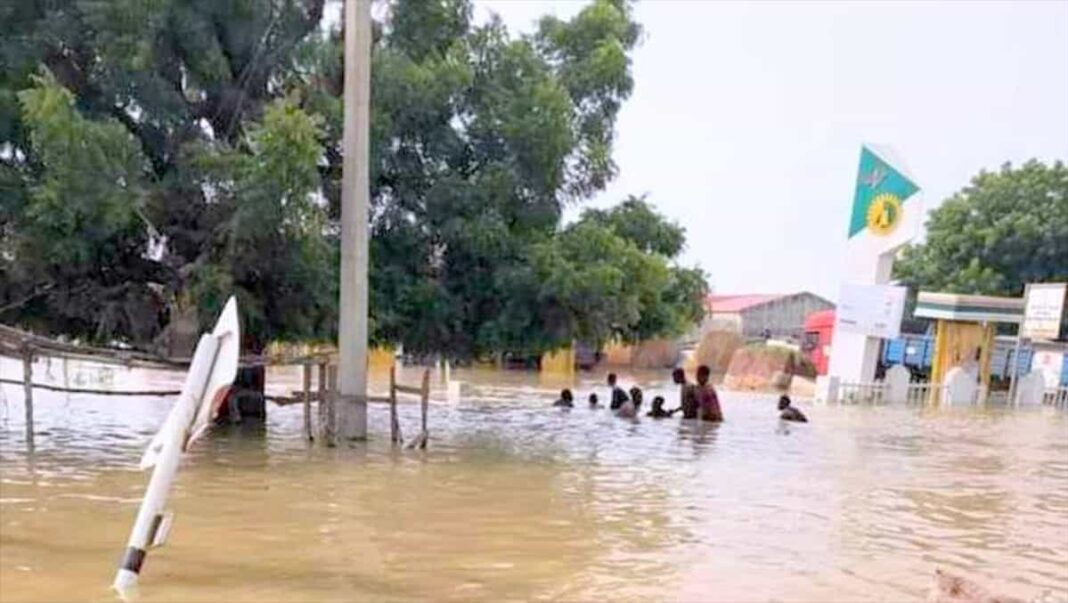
(816, 343)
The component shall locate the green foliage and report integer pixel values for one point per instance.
(81, 218)
(637, 222)
(1004, 230)
(480, 139)
(121, 169)
(609, 285)
(177, 151)
(273, 249)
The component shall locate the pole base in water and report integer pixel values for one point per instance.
(125, 584)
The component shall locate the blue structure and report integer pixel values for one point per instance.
(916, 352)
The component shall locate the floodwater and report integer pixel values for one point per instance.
(517, 501)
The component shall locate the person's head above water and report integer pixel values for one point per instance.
(565, 394)
(784, 402)
(612, 379)
(703, 373)
(678, 376)
(636, 395)
(658, 402)
(593, 399)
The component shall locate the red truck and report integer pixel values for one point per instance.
(816, 344)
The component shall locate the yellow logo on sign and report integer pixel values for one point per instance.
(884, 213)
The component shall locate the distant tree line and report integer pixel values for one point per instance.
(156, 157)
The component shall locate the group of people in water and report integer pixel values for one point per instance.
(696, 400)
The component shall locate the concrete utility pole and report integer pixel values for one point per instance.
(355, 190)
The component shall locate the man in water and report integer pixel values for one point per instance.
(658, 411)
(789, 413)
(707, 400)
(566, 399)
(687, 394)
(593, 401)
(618, 396)
(636, 397)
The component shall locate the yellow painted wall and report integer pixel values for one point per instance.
(380, 357)
(559, 362)
(957, 344)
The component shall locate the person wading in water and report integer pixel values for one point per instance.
(618, 396)
(687, 394)
(789, 413)
(636, 397)
(566, 399)
(707, 400)
(658, 411)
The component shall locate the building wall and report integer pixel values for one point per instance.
(722, 321)
(784, 317)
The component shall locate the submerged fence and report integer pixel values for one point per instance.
(919, 393)
(28, 348)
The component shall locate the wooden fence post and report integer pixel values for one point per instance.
(425, 402)
(322, 400)
(331, 406)
(307, 374)
(394, 422)
(27, 385)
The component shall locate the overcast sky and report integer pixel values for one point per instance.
(747, 119)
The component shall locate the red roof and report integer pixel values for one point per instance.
(737, 303)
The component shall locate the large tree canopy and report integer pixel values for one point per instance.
(1006, 229)
(158, 156)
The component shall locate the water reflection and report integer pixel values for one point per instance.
(519, 501)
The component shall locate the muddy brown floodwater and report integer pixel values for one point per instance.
(517, 501)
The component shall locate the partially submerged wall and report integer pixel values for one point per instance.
(763, 368)
(717, 348)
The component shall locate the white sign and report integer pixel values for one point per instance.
(1043, 310)
(872, 310)
(1049, 364)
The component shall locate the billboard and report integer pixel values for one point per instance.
(871, 310)
(1043, 310)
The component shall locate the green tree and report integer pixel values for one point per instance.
(81, 223)
(1006, 229)
(157, 156)
(481, 139)
(593, 283)
(144, 95)
(672, 297)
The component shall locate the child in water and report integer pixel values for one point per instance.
(566, 399)
(593, 401)
(789, 413)
(658, 411)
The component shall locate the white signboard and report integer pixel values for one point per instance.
(1049, 363)
(1043, 310)
(872, 310)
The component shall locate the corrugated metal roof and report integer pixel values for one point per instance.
(737, 303)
